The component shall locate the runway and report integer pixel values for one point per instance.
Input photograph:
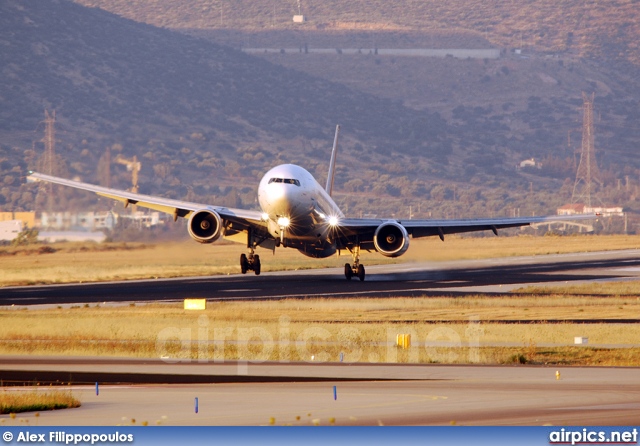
(405, 279)
(365, 394)
(134, 391)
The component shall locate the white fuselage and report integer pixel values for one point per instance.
(297, 210)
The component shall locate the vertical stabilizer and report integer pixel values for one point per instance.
(332, 163)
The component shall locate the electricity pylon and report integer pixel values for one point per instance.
(48, 160)
(587, 174)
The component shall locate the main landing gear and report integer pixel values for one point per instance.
(250, 263)
(356, 269)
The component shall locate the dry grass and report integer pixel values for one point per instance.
(615, 289)
(296, 329)
(364, 330)
(18, 400)
(87, 263)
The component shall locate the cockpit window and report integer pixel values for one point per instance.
(285, 180)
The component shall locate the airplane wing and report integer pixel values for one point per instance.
(364, 229)
(176, 208)
(423, 228)
(238, 223)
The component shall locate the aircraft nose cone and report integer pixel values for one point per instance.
(282, 198)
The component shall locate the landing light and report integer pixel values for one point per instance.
(265, 217)
(283, 222)
(333, 221)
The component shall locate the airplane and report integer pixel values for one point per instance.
(297, 212)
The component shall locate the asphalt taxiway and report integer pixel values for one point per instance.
(365, 394)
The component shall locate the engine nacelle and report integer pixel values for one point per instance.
(391, 239)
(205, 226)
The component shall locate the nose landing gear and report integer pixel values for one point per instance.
(356, 269)
(351, 271)
(250, 263)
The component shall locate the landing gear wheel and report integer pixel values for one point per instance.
(256, 264)
(244, 263)
(348, 272)
(360, 273)
(356, 269)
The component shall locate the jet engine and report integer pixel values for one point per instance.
(391, 239)
(204, 226)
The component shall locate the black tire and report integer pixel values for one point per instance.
(244, 263)
(348, 271)
(361, 273)
(256, 264)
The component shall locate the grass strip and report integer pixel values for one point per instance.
(20, 400)
(363, 330)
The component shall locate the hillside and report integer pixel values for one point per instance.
(190, 109)
(590, 28)
(93, 66)
(434, 137)
(569, 46)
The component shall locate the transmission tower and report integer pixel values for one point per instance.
(48, 161)
(587, 173)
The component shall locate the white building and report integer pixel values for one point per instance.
(146, 219)
(531, 162)
(10, 229)
(571, 209)
(612, 211)
(94, 221)
(579, 208)
(79, 220)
